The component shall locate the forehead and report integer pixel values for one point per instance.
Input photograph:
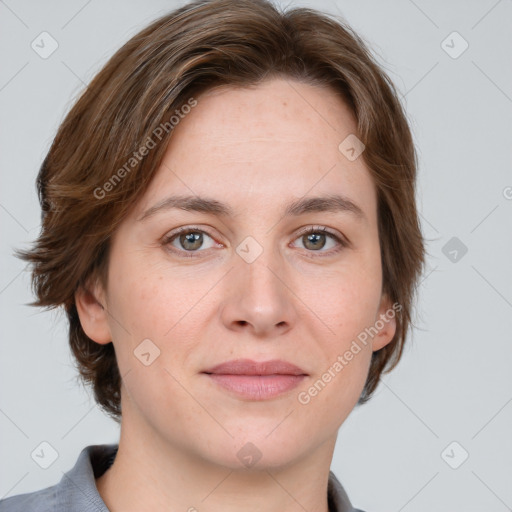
(264, 144)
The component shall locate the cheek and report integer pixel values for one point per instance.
(347, 306)
(346, 300)
(155, 329)
(347, 303)
(330, 396)
(148, 298)
(151, 302)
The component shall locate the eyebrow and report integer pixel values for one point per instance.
(331, 203)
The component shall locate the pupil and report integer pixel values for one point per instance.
(314, 237)
(191, 238)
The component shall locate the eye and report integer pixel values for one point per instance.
(188, 239)
(314, 239)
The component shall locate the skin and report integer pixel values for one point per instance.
(254, 149)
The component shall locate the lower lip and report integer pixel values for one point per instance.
(257, 387)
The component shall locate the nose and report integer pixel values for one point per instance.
(259, 297)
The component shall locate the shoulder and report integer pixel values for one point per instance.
(338, 499)
(76, 491)
(37, 501)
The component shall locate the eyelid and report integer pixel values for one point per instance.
(184, 229)
(322, 229)
(168, 237)
(341, 240)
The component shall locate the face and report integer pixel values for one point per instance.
(189, 289)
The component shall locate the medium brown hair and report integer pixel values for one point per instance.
(201, 45)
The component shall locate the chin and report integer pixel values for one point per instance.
(258, 449)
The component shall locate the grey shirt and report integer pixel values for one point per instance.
(77, 492)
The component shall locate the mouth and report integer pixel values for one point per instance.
(256, 380)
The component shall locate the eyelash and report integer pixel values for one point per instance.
(167, 239)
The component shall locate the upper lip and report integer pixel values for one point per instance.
(250, 367)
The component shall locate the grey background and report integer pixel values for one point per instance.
(454, 382)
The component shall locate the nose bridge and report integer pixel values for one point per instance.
(258, 268)
(261, 274)
(259, 293)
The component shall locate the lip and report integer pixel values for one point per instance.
(250, 367)
(256, 380)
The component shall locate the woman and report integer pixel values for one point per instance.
(229, 221)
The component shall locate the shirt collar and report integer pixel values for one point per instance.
(77, 491)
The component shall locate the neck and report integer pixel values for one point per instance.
(178, 479)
